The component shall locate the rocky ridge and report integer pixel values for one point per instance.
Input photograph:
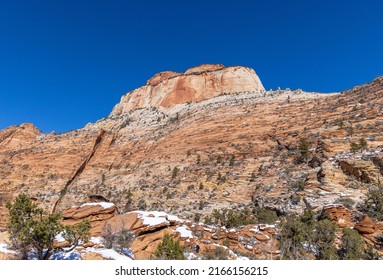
(209, 138)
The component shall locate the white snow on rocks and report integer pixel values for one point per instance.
(184, 231)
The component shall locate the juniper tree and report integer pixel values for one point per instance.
(169, 249)
(30, 230)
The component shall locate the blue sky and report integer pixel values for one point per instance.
(66, 63)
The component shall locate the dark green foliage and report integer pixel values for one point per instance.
(304, 237)
(202, 204)
(30, 230)
(175, 172)
(226, 242)
(266, 216)
(169, 249)
(354, 147)
(232, 160)
(142, 204)
(350, 130)
(363, 144)
(373, 204)
(353, 246)
(371, 254)
(323, 238)
(252, 177)
(231, 218)
(293, 235)
(200, 186)
(197, 217)
(304, 149)
(75, 234)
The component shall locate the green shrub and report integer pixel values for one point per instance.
(304, 237)
(304, 148)
(266, 216)
(169, 249)
(353, 246)
(373, 204)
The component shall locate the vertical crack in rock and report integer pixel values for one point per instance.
(80, 170)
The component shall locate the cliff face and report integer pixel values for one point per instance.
(167, 89)
(205, 139)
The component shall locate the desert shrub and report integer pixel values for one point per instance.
(298, 185)
(373, 204)
(354, 147)
(218, 253)
(304, 237)
(169, 249)
(266, 216)
(304, 149)
(226, 242)
(231, 218)
(346, 202)
(175, 172)
(353, 246)
(118, 240)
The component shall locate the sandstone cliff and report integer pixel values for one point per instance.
(167, 89)
(209, 138)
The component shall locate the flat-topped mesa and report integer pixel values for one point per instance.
(167, 89)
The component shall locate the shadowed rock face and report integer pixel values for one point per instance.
(167, 89)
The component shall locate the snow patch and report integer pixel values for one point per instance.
(96, 240)
(104, 205)
(184, 231)
(59, 237)
(3, 249)
(108, 254)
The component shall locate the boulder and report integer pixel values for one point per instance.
(365, 226)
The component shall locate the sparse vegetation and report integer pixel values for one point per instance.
(304, 149)
(119, 240)
(218, 253)
(175, 172)
(230, 218)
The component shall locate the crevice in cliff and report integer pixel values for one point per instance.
(79, 170)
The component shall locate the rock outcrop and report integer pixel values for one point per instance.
(189, 143)
(168, 89)
(340, 215)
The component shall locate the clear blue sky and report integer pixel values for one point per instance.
(66, 63)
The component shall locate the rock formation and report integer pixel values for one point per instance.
(209, 138)
(167, 89)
